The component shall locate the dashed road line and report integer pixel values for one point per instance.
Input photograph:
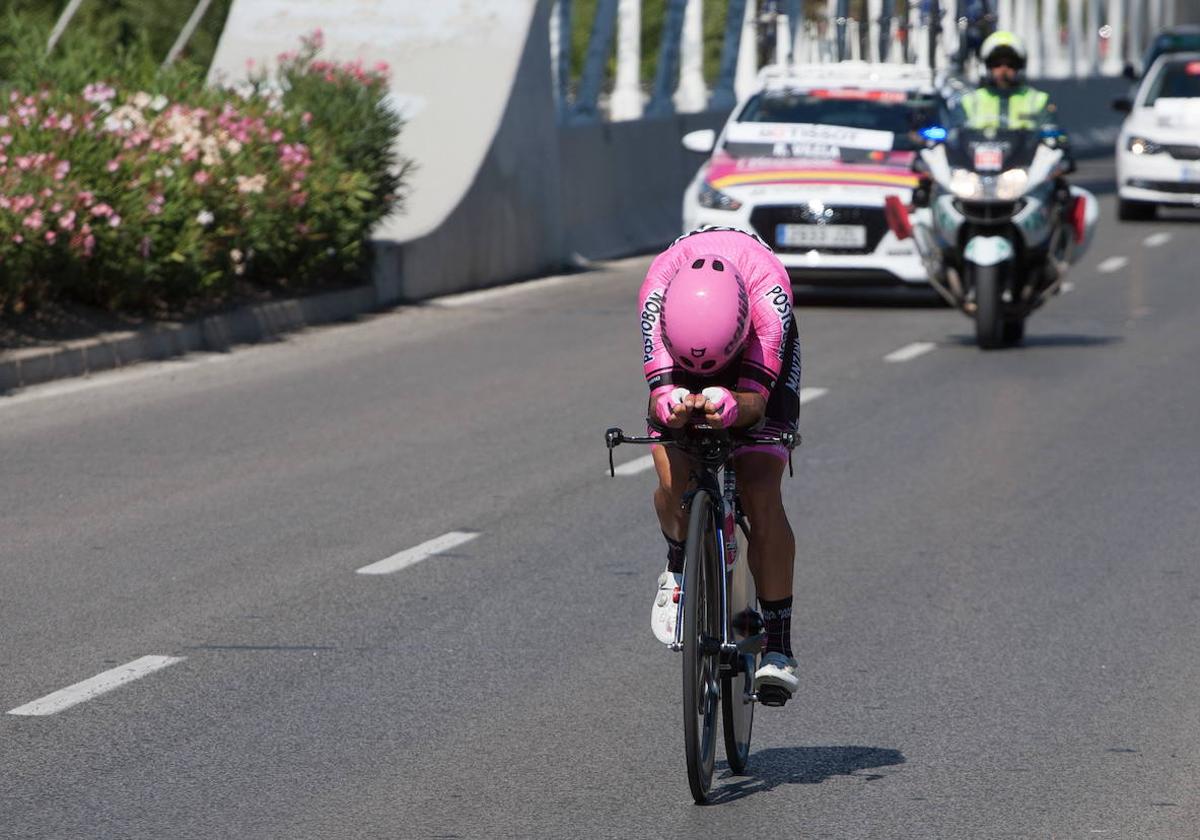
(1154, 240)
(91, 688)
(1112, 264)
(807, 395)
(414, 555)
(910, 351)
(1067, 287)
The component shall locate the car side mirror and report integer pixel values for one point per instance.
(701, 141)
(1123, 104)
(1129, 73)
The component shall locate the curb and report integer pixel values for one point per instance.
(213, 333)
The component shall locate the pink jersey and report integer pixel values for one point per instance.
(768, 288)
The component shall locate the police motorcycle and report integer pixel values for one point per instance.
(995, 224)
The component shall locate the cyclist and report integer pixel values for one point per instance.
(719, 336)
(1005, 100)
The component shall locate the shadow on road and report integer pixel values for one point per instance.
(803, 766)
(1043, 340)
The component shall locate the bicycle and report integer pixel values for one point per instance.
(718, 628)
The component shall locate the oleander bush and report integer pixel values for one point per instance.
(126, 187)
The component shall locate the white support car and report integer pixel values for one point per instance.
(1158, 149)
(807, 161)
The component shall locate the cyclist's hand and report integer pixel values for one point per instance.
(720, 407)
(669, 406)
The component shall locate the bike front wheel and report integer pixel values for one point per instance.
(737, 709)
(701, 644)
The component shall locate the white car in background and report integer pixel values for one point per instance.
(1158, 149)
(807, 161)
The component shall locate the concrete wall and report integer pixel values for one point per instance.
(622, 183)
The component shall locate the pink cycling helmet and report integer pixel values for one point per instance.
(705, 314)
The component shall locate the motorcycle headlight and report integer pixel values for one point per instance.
(1011, 184)
(966, 184)
(1142, 146)
(714, 199)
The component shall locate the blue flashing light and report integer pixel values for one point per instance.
(934, 133)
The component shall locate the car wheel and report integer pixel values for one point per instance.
(1135, 211)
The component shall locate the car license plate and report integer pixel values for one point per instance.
(821, 236)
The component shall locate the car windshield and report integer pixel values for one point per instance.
(1171, 42)
(899, 113)
(1175, 80)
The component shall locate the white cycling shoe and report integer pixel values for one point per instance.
(777, 674)
(666, 607)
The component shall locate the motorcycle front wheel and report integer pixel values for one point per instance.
(989, 308)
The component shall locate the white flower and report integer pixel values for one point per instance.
(159, 102)
(236, 255)
(141, 99)
(204, 218)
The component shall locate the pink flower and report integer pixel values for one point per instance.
(56, 207)
(201, 177)
(113, 165)
(67, 220)
(114, 220)
(50, 237)
(298, 199)
(306, 117)
(102, 210)
(276, 136)
(98, 92)
(89, 245)
(34, 220)
(61, 171)
(18, 238)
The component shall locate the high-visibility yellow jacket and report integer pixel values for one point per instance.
(1023, 108)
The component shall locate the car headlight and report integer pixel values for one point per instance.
(716, 200)
(1011, 184)
(966, 184)
(1142, 146)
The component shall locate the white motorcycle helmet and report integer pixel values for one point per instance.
(1000, 45)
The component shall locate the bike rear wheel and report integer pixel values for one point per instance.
(737, 710)
(701, 644)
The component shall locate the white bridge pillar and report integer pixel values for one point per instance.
(626, 103)
(692, 95)
(1114, 62)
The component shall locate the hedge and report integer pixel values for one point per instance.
(135, 189)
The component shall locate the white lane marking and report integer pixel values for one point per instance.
(1154, 240)
(1067, 287)
(97, 685)
(417, 553)
(910, 351)
(117, 376)
(635, 466)
(807, 395)
(1112, 264)
(485, 295)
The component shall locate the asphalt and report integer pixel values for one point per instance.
(996, 595)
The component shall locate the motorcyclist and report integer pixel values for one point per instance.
(1005, 100)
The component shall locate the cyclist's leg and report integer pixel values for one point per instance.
(772, 555)
(772, 544)
(674, 475)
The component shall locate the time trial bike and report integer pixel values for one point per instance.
(718, 628)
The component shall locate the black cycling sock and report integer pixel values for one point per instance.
(777, 616)
(674, 555)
